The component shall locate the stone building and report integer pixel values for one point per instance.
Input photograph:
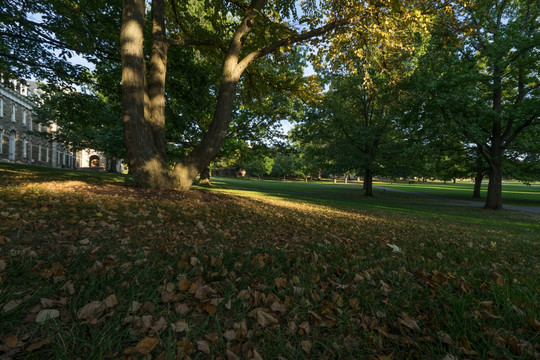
(16, 123)
(18, 145)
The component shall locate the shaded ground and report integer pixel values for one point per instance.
(103, 271)
(454, 202)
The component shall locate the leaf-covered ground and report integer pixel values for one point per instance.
(91, 270)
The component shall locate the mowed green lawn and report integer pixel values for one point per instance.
(514, 193)
(93, 268)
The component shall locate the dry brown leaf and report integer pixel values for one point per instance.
(11, 341)
(184, 285)
(134, 307)
(231, 355)
(3, 265)
(93, 309)
(110, 301)
(210, 308)
(180, 326)
(265, 319)
(182, 308)
(160, 325)
(69, 287)
(37, 345)
(449, 357)
(304, 328)
(146, 345)
(47, 314)
(47, 303)
(204, 292)
(10, 305)
(203, 347)
(256, 355)
(354, 303)
(229, 335)
(408, 321)
(306, 346)
(184, 347)
(212, 337)
(280, 282)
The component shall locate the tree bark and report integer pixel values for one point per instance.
(494, 193)
(478, 178)
(188, 168)
(204, 178)
(368, 182)
(145, 162)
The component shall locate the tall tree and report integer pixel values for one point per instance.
(481, 73)
(259, 28)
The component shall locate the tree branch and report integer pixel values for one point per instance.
(248, 59)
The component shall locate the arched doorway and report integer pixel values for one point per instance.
(94, 161)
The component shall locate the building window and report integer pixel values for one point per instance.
(1, 139)
(12, 137)
(30, 122)
(31, 150)
(47, 153)
(39, 152)
(24, 117)
(1, 107)
(24, 150)
(12, 112)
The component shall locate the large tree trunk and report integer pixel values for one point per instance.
(187, 169)
(478, 184)
(494, 193)
(368, 182)
(478, 178)
(145, 161)
(204, 178)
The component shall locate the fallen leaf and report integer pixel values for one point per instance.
(110, 301)
(11, 341)
(3, 265)
(160, 325)
(304, 328)
(10, 305)
(180, 326)
(229, 335)
(306, 346)
(212, 337)
(280, 282)
(146, 345)
(69, 287)
(394, 248)
(37, 345)
(449, 357)
(204, 292)
(184, 285)
(202, 346)
(47, 314)
(265, 319)
(182, 308)
(134, 307)
(93, 309)
(408, 321)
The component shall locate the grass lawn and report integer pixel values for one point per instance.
(93, 268)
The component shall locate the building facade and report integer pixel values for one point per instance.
(17, 144)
